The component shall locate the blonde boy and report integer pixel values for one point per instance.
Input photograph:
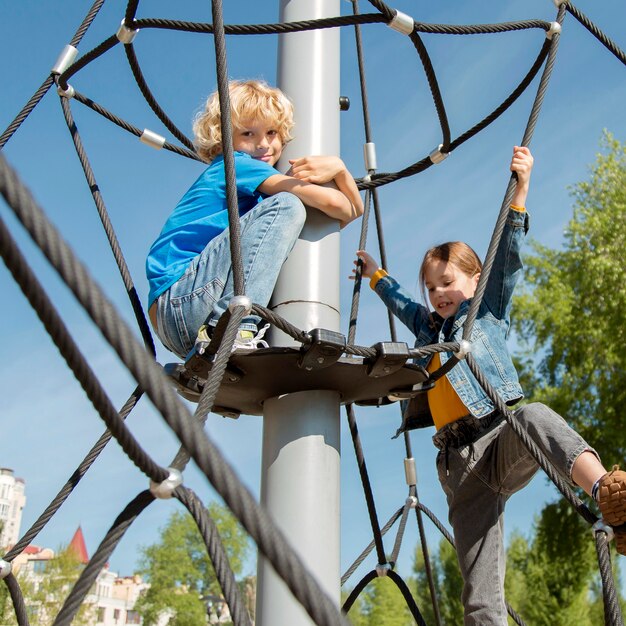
(189, 265)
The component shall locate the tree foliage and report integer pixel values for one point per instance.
(572, 311)
(381, 604)
(179, 570)
(447, 582)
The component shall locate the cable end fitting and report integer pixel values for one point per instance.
(382, 569)
(126, 35)
(555, 29)
(237, 301)
(558, 3)
(164, 490)
(151, 139)
(411, 502)
(402, 22)
(465, 347)
(66, 58)
(6, 568)
(437, 156)
(369, 156)
(410, 473)
(66, 93)
(602, 526)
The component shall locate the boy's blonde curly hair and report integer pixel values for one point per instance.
(249, 100)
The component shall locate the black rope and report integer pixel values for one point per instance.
(610, 597)
(608, 43)
(17, 598)
(108, 228)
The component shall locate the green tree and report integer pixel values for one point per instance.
(179, 569)
(45, 593)
(447, 581)
(381, 604)
(572, 310)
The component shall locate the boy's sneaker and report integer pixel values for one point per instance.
(612, 503)
(247, 340)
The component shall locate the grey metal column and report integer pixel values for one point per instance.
(301, 431)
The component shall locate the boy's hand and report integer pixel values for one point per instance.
(316, 169)
(522, 165)
(370, 265)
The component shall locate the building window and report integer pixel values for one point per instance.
(40, 566)
(101, 614)
(132, 617)
(116, 615)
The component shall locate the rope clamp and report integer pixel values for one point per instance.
(66, 93)
(151, 139)
(369, 156)
(382, 569)
(5, 568)
(465, 347)
(126, 35)
(410, 472)
(411, 502)
(390, 357)
(558, 3)
(402, 22)
(555, 29)
(323, 349)
(240, 301)
(66, 58)
(163, 490)
(437, 156)
(602, 526)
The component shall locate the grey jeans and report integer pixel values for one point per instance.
(480, 479)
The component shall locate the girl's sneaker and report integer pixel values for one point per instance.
(247, 340)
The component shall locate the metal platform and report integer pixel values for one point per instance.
(254, 376)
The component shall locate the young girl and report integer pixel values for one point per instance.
(189, 265)
(482, 462)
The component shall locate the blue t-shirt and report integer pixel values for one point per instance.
(200, 216)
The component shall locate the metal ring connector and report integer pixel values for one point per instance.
(555, 29)
(126, 35)
(465, 347)
(402, 22)
(163, 490)
(411, 501)
(602, 526)
(369, 155)
(6, 567)
(382, 570)
(151, 139)
(66, 93)
(437, 156)
(66, 58)
(237, 301)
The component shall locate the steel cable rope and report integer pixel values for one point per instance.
(32, 289)
(400, 584)
(17, 598)
(610, 598)
(47, 83)
(210, 536)
(94, 106)
(596, 32)
(271, 541)
(108, 228)
(151, 100)
(418, 167)
(71, 483)
(373, 194)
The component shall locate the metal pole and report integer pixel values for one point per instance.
(300, 473)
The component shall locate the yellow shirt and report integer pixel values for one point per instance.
(444, 403)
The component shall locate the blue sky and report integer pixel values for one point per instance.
(46, 423)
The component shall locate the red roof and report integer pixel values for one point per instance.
(78, 545)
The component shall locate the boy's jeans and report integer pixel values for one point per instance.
(268, 233)
(479, 483)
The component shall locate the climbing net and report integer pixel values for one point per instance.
(166, 482)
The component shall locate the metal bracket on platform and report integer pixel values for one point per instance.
(390, 357)
(325, 348)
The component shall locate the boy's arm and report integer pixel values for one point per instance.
(309, 178)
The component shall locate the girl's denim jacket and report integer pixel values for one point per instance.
(488, 337)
